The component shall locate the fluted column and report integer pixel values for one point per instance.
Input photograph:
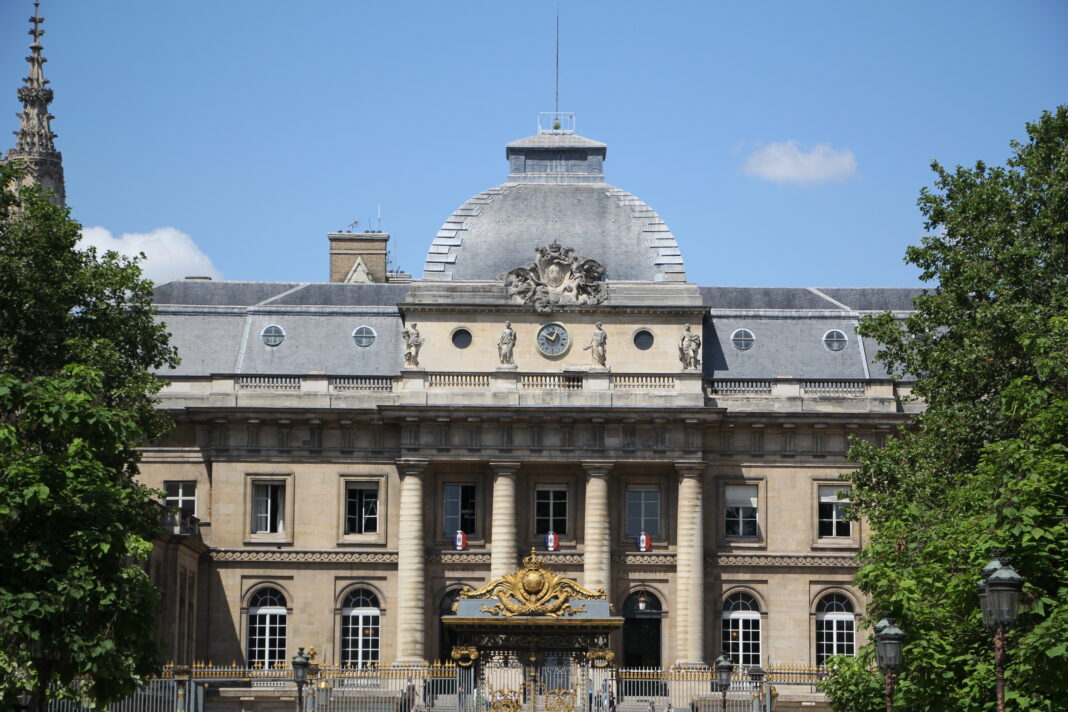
(690, 579)
(597, 546)
(411, 564)
(503, 528)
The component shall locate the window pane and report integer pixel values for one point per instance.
(361, 509)
(459, 503)
(550, 511)
(643, 512)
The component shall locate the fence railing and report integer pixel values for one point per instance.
(347, 384)
(833, 388)
(453, 688)
(635, 382)
(550, 382)
(733, 387)
(461, 381)
(268, 383)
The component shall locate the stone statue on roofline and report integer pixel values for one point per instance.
(557, 277)
(506, 344)
(690, 350)
(598, 346)
(412, 343)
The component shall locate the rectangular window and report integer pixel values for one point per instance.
(787, 441)
(831, 512)
(181, 496)
(550, 510)
(459, 509)
(643, 511)
(268, 508)
(740, 510)
(361, 509)
(756, 441)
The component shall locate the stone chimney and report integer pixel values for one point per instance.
(357, 257)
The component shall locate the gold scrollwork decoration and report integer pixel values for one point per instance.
(560, 700)
(600, 657)
(464, 655)
(504, 700)
(533, 590)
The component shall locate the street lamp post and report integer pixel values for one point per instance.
(724, 668)
(300, 676)
(888, 641)
(999, 597)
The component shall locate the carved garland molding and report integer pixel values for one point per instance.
(331, 557)
(479, 558)
(782, 560)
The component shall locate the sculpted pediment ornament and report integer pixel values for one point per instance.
(533, 590)
(556, 277)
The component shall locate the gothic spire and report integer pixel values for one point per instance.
(33, 144)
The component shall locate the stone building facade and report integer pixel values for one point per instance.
(358, 451)
(349, 455)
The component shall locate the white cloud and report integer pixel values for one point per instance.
(169, 253)
(786, 162)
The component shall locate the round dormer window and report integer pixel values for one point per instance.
(364, 336)
(743, 339)
(835, 340)
(273, 335)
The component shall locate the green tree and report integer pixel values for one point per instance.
(986, 465)
(78, 347)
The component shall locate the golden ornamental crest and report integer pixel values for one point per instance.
(533, 591)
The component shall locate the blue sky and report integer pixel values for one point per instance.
(783, 142)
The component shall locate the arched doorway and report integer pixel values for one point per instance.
(642, 612)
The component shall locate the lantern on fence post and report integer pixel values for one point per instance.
(300, 676)
(1000, 600)
(724, 668)
(888, 641)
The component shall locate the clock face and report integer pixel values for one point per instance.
(553, 340)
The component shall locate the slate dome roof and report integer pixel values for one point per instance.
(555, 191)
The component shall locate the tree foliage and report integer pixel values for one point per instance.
(986, 465)
(78, 347)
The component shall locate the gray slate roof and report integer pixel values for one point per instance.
(497, 231)
(217, 327)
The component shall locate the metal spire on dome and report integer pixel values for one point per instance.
(33, 144)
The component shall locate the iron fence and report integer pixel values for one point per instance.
(502, 685)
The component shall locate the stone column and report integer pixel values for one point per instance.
(411, 565)
(597, 548)
(503, 528)
(690, 579)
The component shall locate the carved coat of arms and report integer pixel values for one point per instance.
(556, 277)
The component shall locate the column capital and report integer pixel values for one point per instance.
(690, 468)
(407, 466)
(598, 468)
(504, 468)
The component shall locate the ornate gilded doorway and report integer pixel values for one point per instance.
(534, 641)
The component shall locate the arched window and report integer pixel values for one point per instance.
(360, 629)
(741, 629)
(267, 628)
(835, 633)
